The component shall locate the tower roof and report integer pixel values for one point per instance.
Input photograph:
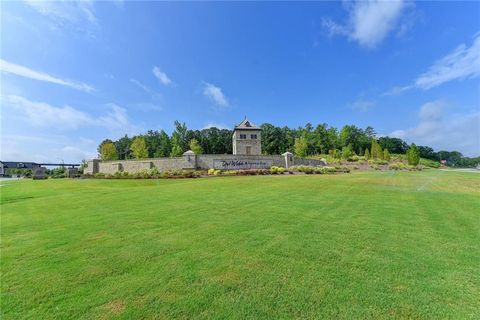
(246, 125)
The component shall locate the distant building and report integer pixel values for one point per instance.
(247, 139)
(6, 165)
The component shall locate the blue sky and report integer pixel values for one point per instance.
(74, 73)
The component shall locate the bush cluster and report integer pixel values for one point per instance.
(429, 163)
(250, 172)
(319, 170)
(149, 174)
(403, 166)
(277, 170)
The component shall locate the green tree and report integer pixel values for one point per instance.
(123, 148)
(354, 136)
(347, 152)
(181, 135)
(176, 151)
(195, 146)
(107, 150)
(367, 154)
(300, 147)
(413, 155)
(394, 145)
(325, 138)
(386, 155)
(163, 146)
(139, 148)
(376, 151)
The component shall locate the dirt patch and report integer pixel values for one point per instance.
(97, 236)
(115, 307)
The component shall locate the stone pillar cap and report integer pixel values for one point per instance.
(287, 154)
(189, 153)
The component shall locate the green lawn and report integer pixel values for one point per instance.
(360, 245)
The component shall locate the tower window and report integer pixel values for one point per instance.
(243, 136)
(253, 136)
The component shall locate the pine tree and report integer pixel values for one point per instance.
(386, 155)
(367, 154)
(413, 155)
(376, 150)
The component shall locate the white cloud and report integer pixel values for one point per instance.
(397, 90)
(116, 120)
(162, 76)
(362, 105)
(215, 94)
(369, 22)
(435, 129)
(461, 63)
(22, 71)
(61, 12)
(215, 125)
(141, 85)
(41, 114)
(46, 149)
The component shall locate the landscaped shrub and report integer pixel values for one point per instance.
(142, 174)
(273, 169)
(378, 162)
(211, 172)
(429, 163)
(230, 173)
(397, 166)
(276, 170)
(154, 173)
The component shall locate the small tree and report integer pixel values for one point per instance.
(376, 150)
(386, 155)
(300, 147)
(108, 151)
(367, 154)
(195, 146)
(347, 152)
(139, 148)
(413, 155)
(176, 151)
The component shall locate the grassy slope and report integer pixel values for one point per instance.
(368, 244)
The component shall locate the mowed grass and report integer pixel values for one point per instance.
(360, 245)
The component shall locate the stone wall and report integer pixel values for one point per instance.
(162, 164)
(202, 161)
(308, 162)
(207, 161)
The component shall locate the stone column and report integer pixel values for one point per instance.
(92, 167)
(190, 159)
(288, 159)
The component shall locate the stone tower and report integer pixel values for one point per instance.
(247, 139)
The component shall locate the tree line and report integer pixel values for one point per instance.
(302, 141)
